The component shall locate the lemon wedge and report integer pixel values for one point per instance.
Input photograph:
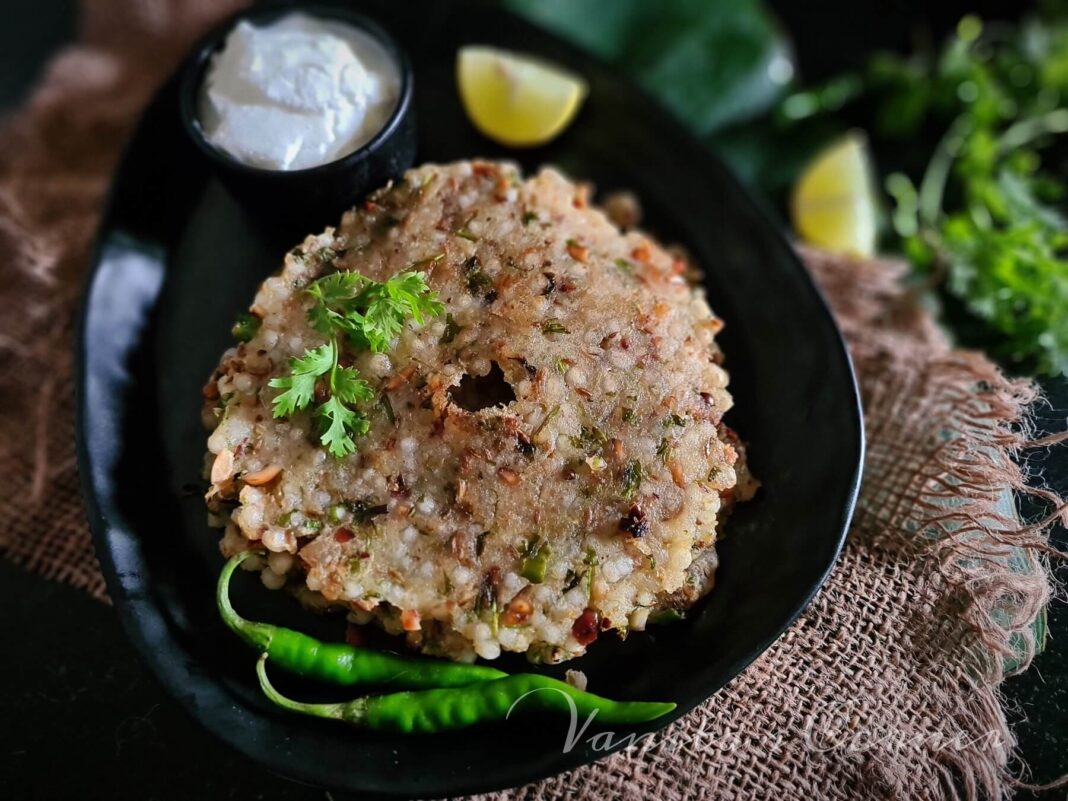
(515, 99)
(834, 204)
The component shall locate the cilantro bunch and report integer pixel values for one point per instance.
(981, 215)
(360, 314)
(984, 219)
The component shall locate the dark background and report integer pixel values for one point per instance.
(80, 716)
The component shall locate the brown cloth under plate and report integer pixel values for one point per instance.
(886, 687)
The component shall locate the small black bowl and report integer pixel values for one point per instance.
(315, 196)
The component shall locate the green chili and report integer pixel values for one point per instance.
(339, 663)
(246, 327)
(430, 711)
(536, 562)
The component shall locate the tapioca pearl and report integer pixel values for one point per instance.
(244, 384)
(272, 580)
(575, 377)
(487, 649)
(379, 365)
(280, 563)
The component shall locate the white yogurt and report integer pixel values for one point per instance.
(297, 93)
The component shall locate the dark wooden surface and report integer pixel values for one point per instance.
(82, 717)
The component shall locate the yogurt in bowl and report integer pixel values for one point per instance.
(301, 109)
(296, 93)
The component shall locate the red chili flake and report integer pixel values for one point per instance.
(370, 206)
(586, 626)
(343, 535)
(606, 623)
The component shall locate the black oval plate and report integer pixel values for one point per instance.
(177, 260)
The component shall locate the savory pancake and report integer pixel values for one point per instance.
(545, 459)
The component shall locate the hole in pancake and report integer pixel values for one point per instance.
(483, 391)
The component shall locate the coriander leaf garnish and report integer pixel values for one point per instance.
(340, 425)
(337, 288)
(366, 315)
(632, 479)
(349, 387)
(369, 314)
(411, 291)
(299, 385)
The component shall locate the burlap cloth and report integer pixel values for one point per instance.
(887, 685)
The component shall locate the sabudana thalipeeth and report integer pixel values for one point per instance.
(546, 459)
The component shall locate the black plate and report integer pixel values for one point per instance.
(177, 260)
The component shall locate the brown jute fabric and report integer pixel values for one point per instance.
(887, 685)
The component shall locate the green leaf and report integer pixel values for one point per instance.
(382, 321)
(349, 387)
(410, 289)
(370, 314)
(337, 288)
(712, 62)
(981, 212)
(299, 385)
(340, 425)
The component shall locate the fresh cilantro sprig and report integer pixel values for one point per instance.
(350, 309)
(367, 313)
(984, 222)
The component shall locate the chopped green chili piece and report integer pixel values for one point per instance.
(632, 479)
(553, 326)
(246, 327)
(536, 562)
